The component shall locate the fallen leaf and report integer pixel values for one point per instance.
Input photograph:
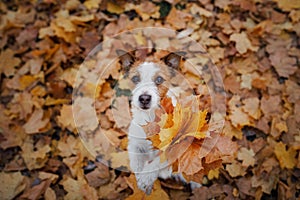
(78, 189)
(120, 159)
(288, 5)
(157, 192)
(235, 169)
(247, 156)
(242, 42)
(36, 122)
(121, 112)
(287, 157)
(8, 62)
(190, 161)
(12, 184)
(251, 106)
(84, 114)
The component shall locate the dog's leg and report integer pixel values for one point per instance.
(149, 173)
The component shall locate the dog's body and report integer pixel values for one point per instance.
(150, 83)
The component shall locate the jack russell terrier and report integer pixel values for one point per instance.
(150, 80)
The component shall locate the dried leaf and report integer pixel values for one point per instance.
(78, 189)
(121, 112)
(247, 156)
(242, 42)
(36, 122)
(157, 193)
(287, 157)
(12, 184)
(8, 62)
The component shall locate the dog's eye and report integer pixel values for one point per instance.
(159, 80)
(135, 79)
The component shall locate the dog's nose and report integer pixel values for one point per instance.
(145, 99)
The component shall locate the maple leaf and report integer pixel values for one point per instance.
(247, 156)
(190, 161)
(287, 158)
(157, 193)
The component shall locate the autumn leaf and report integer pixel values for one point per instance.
(121, 112)
(242, 42)
(12, 184)
(8, 62)
(247, 156)
(78, 189)
(157, 193)
(190, 161)
(287, 157)
(36, 122)
(288, 5)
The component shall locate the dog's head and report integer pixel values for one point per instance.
(149, 78)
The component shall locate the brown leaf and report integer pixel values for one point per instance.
(121, 112)
(8, 62)
(36, 122)
(12, 184)
(242, 42)
(78, 189)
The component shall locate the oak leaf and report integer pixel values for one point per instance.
(242, 42)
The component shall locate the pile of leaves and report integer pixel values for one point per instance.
(254, 44)
(184, 139)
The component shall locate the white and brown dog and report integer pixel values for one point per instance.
(150, 81)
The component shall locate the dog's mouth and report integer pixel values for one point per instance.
(145, 107)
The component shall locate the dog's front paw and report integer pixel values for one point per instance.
(145, 182)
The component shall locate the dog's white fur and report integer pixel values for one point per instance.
(144, 160)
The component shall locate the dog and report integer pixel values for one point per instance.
(150, 80)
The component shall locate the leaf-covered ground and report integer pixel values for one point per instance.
(254, 43)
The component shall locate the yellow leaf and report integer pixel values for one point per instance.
(287, 158)
(288, 5)
(157, 192)
(51, 101)
(90, 4)
(114, 8)
(214, 173)
(25, 81)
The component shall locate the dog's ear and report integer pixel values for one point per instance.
(126, 59)
(173, 59)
